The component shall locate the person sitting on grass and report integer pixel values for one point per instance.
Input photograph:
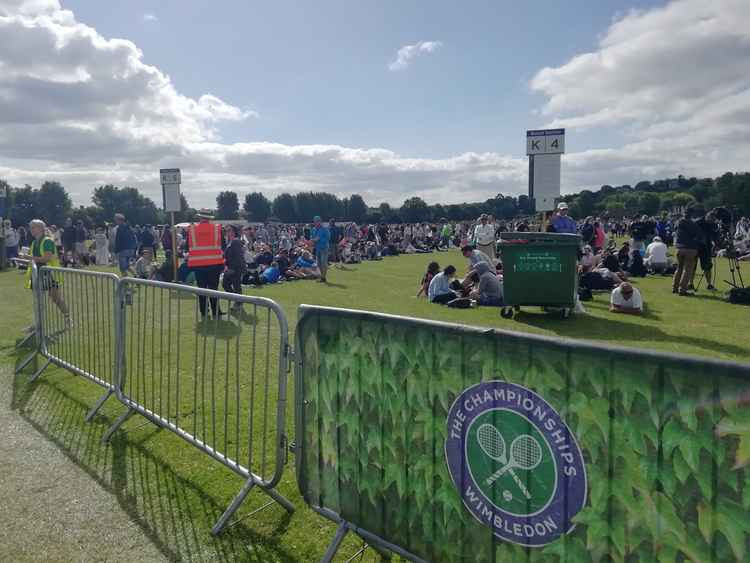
(475, 256)
(272, 274)
(432, 269)
(626, 299)
(440, 291)
(144, 266)
(656, 256)
(623, 255)
(165, 272)
(305, 267)
(489, 290)
(588, 261)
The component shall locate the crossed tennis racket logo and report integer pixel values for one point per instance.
(525, 453)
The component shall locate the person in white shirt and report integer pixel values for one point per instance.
(484, 236)
(626, 299)
(656, 256)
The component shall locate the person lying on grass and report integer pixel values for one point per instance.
(626, 299)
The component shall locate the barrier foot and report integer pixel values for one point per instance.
(26, 362)
(335, 544)
(26, 339)
(119, 422)
(222, 521)
(283, 501)
(90, 415)
(38, 372)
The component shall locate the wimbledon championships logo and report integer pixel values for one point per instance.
(515, 463)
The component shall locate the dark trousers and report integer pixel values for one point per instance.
(207, 277)
(444, 298)
(232, 281)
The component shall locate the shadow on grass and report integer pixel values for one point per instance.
(173, 512)
(612, 328)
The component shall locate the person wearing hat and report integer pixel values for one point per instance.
(484, 236)
(561, 222)
(321, 238)
(656, 256)
(206, 257)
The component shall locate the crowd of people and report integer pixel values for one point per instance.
(269, 253)
(697, 237)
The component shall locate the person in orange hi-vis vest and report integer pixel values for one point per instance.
(206, 258)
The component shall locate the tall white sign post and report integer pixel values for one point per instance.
(544, 148)
(170, 189)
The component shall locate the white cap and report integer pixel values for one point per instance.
(562, 205)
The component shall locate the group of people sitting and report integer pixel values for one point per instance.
(481, 285)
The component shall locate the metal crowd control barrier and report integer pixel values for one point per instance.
(217, 382)
(448, 443)
(75, 324)
(33, 332)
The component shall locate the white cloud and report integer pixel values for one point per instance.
(675, 80)
(408, 52)
(150, 18)
(87, 110)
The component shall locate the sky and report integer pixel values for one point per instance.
(388, 99)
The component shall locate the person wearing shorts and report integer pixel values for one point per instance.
(44, 253)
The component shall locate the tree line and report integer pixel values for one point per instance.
(52, 203)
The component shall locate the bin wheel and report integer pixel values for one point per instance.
(565, 312)
(506, 313)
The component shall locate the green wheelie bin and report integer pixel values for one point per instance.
(539, 269)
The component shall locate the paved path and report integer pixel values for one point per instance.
(51, 510)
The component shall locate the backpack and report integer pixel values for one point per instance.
(739, 295)
(460, 303)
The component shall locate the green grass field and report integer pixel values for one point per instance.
(175, 494)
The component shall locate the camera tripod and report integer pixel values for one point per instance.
(734, 270)
(710, 278)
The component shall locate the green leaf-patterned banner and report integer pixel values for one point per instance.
(665, 440)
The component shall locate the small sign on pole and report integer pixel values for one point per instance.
(544, 148)
(170, 186)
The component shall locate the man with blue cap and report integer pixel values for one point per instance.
(321, 237)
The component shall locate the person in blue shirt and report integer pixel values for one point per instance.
(561, 222)
(321, 237)
(271, 274)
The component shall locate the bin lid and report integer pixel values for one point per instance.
(556, 239)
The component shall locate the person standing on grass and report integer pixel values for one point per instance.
(484, 236)
(80, 246)
(102, 247)
(561, 222)
(688, 240)
(68, 237)
(321, 238)
(205, 258)
(234, 260)
(44, 253)
(125, 243)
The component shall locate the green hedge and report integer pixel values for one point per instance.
(666, 442)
